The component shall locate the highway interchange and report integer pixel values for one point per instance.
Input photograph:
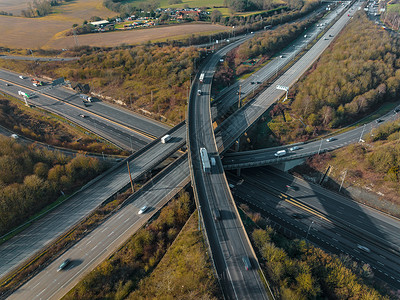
(155, 187)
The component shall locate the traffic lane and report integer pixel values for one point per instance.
(233, 242)
(322, 233)
(370, 220)
(106, 109)
(101, 242)
(119, 135)
(251, 83)
(304, 149)
(46, 229)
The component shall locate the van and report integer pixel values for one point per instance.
(280, 153)
(165, 138)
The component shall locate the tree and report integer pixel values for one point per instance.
(216, 16)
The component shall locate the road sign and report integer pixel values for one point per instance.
(283, 88)
(58, 81)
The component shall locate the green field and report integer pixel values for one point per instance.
(394, 8)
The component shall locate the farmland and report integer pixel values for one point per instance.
(46, 32)
(134, 36)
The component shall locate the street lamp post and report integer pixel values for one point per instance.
(308, 231)
(362, 132)
(320, 145)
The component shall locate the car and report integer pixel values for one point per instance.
(199, 92)
(143, 210)
(396, 110)
(326, 39)
(297, 216)
(7, 84)
(280, 56)
(253, 82)
(82, 115)
(64, 264)
(330, 139)
(15, 136)
(363, 248)
(379, 121)
(22, 77)
(294, 148)
(231, 185)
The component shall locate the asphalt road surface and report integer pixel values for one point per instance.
(249, 159)
(226, 237)
(122, 127)
(340, 224)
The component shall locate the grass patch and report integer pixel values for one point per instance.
(184, 270)
(138, 257)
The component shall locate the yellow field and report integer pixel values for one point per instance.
(18, 32)
(46, 32)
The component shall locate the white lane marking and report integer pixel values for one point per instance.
(41, 292)
(110, 233)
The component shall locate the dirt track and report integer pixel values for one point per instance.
(134, 36)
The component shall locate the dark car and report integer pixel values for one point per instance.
(64, 264)
(379, 121)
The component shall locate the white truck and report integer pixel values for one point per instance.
(165, 138)
(201, 78)
(23, 94)
(205, 161)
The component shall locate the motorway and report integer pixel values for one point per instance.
(262, 157)
(172, 182)
(37, 58)
(229, 96)
(226, 237)
(232, 128)
(122, 127)
(102, 242)
(42, 232)
(340, 224)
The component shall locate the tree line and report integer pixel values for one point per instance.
(40, 8)
(32, 178)
(298, 271)
(150, 78)
(351, 79)
(260, 47)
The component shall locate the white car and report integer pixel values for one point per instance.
(143, 209)
(22, 77)
(294, 148)
(363, 248)
(330, 139)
